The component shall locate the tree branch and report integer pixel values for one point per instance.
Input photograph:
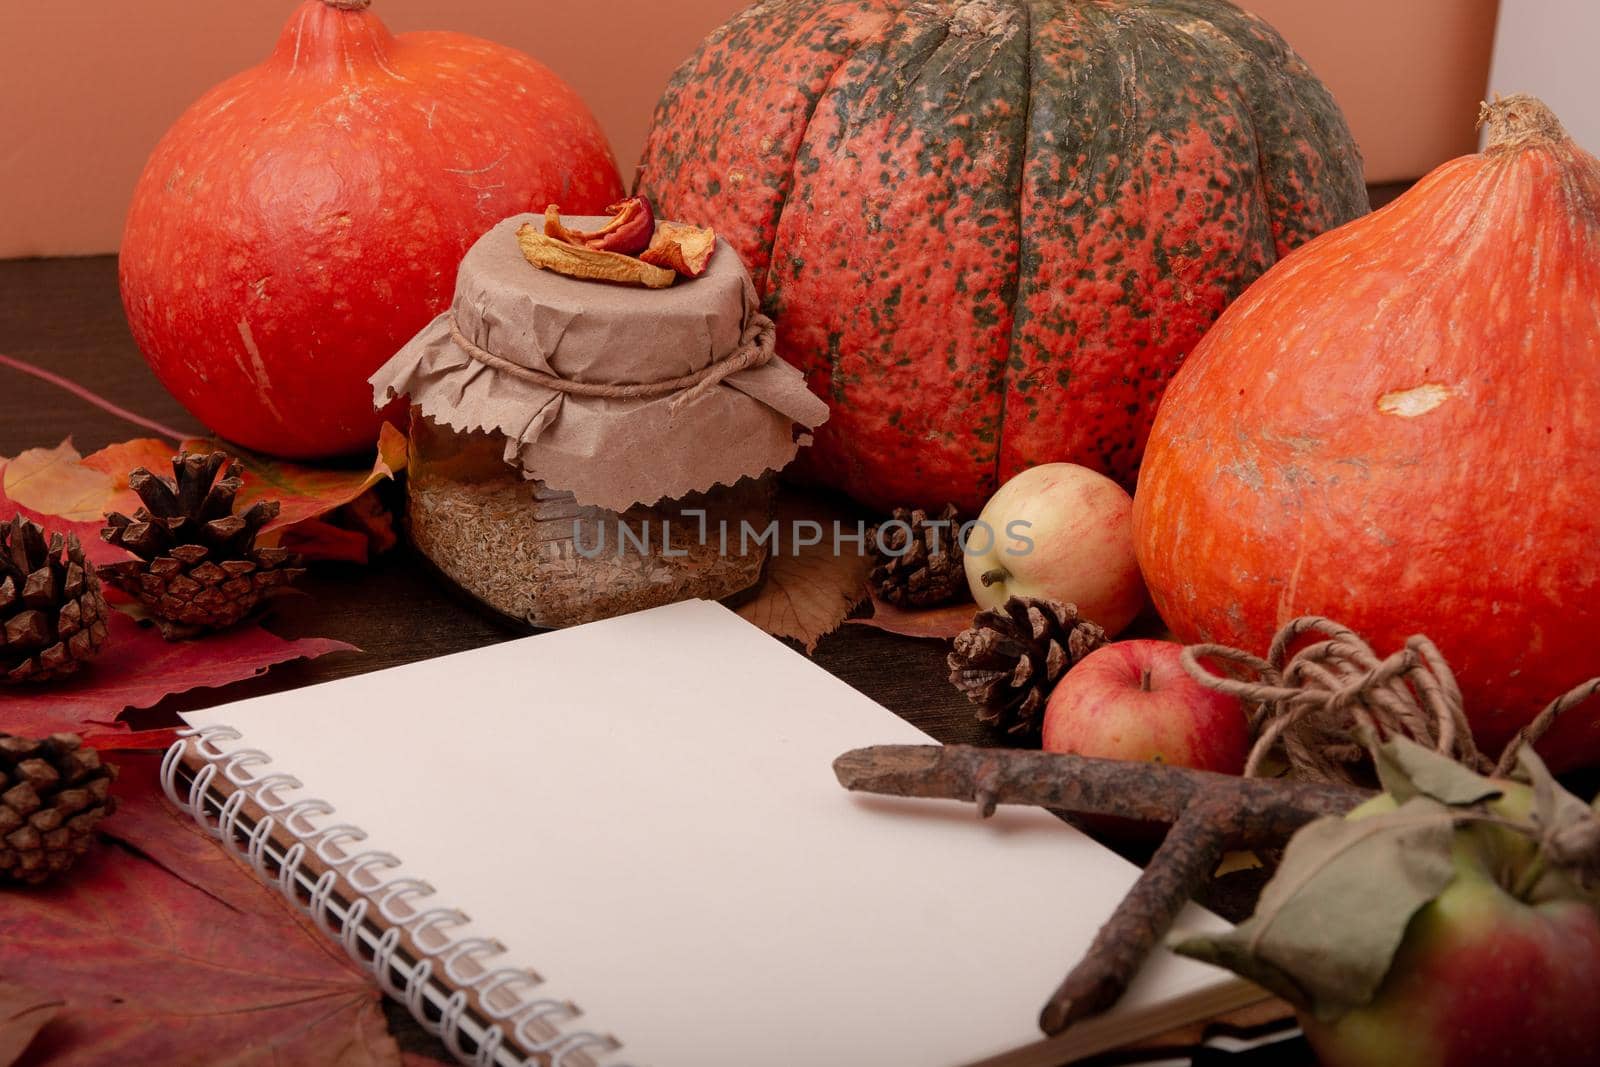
(1208, 813)
(1259, 811)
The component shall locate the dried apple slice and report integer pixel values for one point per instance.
(629, 231)
(588, 264)
(681, 247)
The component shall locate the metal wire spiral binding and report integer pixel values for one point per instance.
(467, 949)
(499, 979)
(257, 843)
(289, 868)
(475, 1037)
(233, 767)
(359, 863)
(302, 813)
(266, 792)
(334, 836)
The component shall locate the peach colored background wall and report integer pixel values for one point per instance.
(87, 87)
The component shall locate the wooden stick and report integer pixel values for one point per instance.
(1260, 811)
(1209, 813)
(1186, 858)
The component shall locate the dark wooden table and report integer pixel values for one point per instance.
(65, 315)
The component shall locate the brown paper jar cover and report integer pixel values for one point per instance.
(608, 452)
(555, 507)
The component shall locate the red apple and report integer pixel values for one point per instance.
(1134, 701)
(1493, 973)
(1452, 921)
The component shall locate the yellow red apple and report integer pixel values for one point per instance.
(1453, 921)
(1500, 969)
(1063, 532)
(1134, 701)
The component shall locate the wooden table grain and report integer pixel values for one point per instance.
(65, 315)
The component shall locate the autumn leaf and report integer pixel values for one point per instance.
(165, 949)
(321, 540)
(137, 670)
(35, 473)
(310, 492)
(114, 463)
(938, 623)
(1327, 927)
(23, 1010)
(55, 481)
(809, 589)
(56, 486)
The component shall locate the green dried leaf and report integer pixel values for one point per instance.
(1568, 829)
(1552, 804)
(1407, 770)
(1329, 923)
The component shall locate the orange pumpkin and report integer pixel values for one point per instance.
(1398, 426)
(305, 218)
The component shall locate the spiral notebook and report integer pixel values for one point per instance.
(623, 844)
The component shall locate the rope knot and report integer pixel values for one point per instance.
(1311, 700)
(757, 348)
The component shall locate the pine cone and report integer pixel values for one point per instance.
(1012, 657)
(922, 567)
(52, 793)
(198, 567)
(52, 615)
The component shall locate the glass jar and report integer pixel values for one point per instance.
(536, 555)
(592, 418)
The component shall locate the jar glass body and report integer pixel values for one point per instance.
(535, 554)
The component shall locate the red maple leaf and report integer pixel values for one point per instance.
(61, 490)
(165, 949)
(137, 670)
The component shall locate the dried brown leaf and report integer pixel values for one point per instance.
(939, 624)
(1329, 923)
(807, 592)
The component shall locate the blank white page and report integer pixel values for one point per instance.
(644, 811)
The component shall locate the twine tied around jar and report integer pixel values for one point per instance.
(1311, 706)
(757, 347)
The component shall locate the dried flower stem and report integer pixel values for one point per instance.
(94, 398)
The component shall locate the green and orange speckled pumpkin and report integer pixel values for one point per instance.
(990, 230)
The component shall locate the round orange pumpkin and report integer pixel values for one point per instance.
(1399, 427)
(305, 218)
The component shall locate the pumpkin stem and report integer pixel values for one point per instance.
(349, 5)
(1519, 121)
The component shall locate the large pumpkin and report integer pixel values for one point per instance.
(1399, 427)
(305, 218)
(990, 230)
